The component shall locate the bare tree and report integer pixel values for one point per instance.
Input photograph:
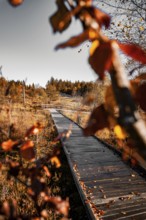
(24, 83)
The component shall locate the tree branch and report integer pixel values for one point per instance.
(129, 117)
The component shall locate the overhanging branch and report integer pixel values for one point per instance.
(129, 117)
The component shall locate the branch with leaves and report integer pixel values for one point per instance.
(104, 57)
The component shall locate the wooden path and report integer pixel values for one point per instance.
(108, 187)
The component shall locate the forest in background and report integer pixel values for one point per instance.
(15, 90)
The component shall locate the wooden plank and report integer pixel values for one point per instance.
(101, 169)
(116, 205)
(123, 207)
(116, 184)
(114, 192)
(127, 215)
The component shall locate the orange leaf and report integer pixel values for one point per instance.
(101, 58)
(35, 129)
(77, 40)
(27, 150)
(57, 20)
(98, 120)
(47, 171)
(133, 51)
(15, 2)
(55, 161)
(8, 145)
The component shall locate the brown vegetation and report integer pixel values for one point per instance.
(27, 138)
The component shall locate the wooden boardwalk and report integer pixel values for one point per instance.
(108, 187)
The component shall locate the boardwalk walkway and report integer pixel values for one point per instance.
(108, 187)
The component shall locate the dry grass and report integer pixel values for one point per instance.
(22, 118)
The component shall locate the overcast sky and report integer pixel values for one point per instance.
(27, 45)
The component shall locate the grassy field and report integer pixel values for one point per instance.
(15, 121)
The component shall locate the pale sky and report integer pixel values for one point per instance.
(27, 45)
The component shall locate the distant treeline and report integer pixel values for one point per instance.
(68, 87)
(16, 89)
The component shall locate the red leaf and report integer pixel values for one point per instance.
(35, 129)
(77, 40)
(27, 150)
(101, 17)
(133, 51)
(101, 58)
(98, 120)
(9, 145)
(140, 96)
(61, 19)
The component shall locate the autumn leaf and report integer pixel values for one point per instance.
(88, 34)
(98, 120)
(101, 57)
(47, 172)
(62, 206)
(16, 2)
(55, 161)
(33, 130)
(62, 18)
(120, 133)
(91, 14)
(134, 52)
(9, 145)
(27, 150)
